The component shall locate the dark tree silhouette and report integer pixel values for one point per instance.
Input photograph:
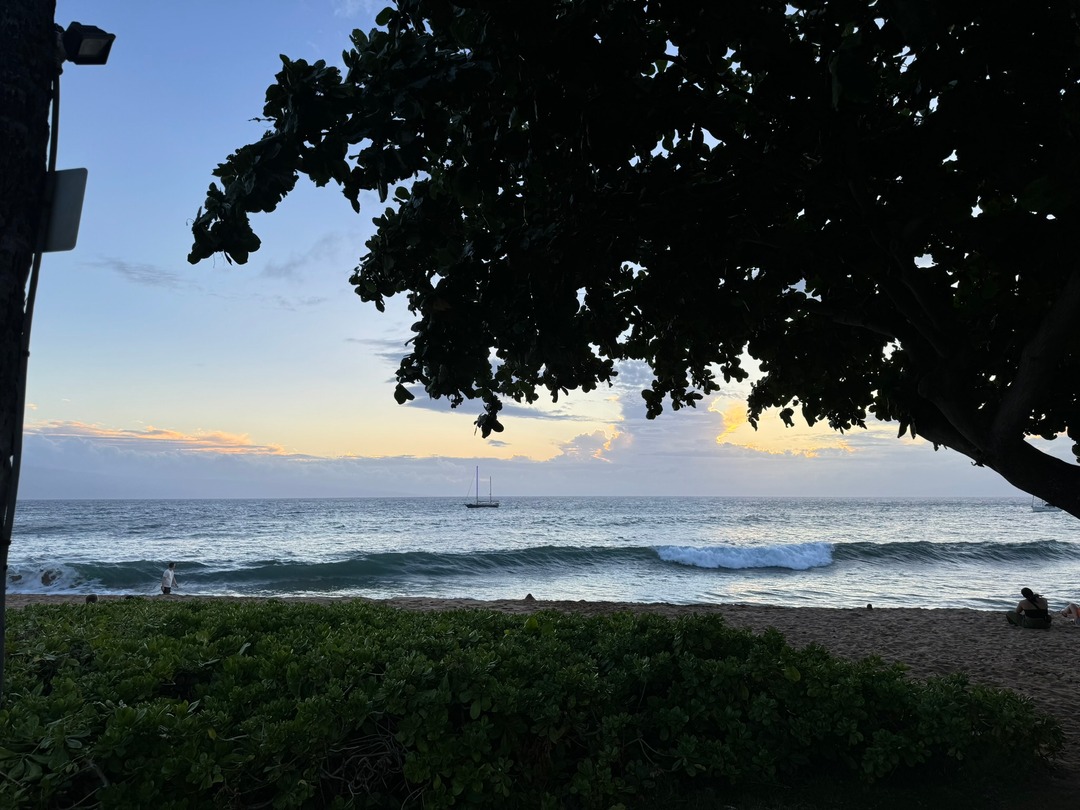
(876, 201)
(27, 68)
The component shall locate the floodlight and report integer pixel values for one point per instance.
(86, 44)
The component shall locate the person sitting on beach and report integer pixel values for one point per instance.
(1031, 611)
(1071, 612)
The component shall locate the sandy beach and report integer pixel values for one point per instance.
(1037, 663)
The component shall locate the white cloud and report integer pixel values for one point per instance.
(677, 456)
(357, 8)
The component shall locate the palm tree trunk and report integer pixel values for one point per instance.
(27, 64)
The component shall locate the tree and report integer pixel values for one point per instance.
(877, 201)
(27, 69)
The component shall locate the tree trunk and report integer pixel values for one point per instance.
(1017, 461)
(27, 65)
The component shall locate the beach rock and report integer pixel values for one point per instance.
(529, 598)
(91, 598)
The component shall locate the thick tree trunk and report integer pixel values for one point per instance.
(27, 65)
(1031, 470)
(1014, 459)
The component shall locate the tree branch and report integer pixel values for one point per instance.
(1040, 355)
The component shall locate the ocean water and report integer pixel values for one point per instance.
(842, 552)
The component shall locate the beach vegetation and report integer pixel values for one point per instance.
(138, 703)
(870, 207)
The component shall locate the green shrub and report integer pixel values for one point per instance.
(141, 703)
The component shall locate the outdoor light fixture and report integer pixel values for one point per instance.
(86, 44)
(81, 45)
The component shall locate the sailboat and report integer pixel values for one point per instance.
(479, 503)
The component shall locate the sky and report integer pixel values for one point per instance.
(153, 378)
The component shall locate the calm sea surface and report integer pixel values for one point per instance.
(964, 552)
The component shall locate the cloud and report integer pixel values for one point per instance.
(295, 304)
(357, 8)
(388, 350)
(599, 444)
(734, 416)
(145, 274)
(633, 375)
(542, 410)
(154, 439)
(80, 461)
(325, 250)
(676, 454)
(75, 461)
(774, 438)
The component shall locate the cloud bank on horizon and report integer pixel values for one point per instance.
(709, 452)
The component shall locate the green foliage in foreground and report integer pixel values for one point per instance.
(158, 704)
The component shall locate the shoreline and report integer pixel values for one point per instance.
(1038, 664)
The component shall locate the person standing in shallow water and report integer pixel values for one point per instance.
(168, 579)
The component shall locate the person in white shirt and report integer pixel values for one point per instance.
(168, 579)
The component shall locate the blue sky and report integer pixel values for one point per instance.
(153, 378)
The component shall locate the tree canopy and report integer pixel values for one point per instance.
(876, 201)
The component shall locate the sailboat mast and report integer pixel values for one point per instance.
(478, 483)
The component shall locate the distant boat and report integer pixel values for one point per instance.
(479, 503)
(1039, 505)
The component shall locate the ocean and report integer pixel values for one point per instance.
(814, 552)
